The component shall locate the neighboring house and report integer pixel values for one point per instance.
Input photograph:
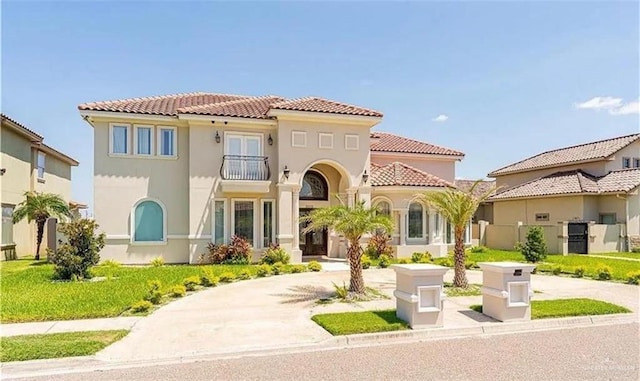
(27, 164)
(591, 189)
(485, 209)
(173, 173)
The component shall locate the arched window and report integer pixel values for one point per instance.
(314, 187)
(415, 219)
(384, 207)
(149, 222)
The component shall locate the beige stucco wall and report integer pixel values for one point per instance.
(559, 208)
(437, 166)
(630, 151)
(605, 238)
(633, 227)
(506, 181)
(611, 204)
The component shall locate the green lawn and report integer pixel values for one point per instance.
(29, 294)
(545, 309)
(56, 345)
(347, 323)
(620, 255)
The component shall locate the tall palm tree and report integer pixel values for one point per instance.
(39, 207)
(458, 207)
(352, 223)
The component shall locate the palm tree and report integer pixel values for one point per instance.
(458, 207)
(39, 207)
(352, 223)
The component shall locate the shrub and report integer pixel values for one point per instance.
(365, 261)
(157, 262)
(295, 269)
(446, 262)
(402, 261)
(264, 270)
(314, 266)
(378, 245)
(479, 249)
(208, 279)
(275, 254)
(238, 252)
(191, 282)
(421, 257)
(154, 295)
(141, 306)
(535, 248)
(278, 268)
(111, 267)
(633, 277)
(341, 291)
(177, 291)
(603, 272)
(227, 277)
(384, 262)
(557, 270)
(470, 265)
(636, 250)
(245, 274)
(75, 256)
(579, 272)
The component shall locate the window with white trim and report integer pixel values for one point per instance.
(219, 235)
(167, 141)
(119, 139)
(268, 223)
(636, 162)
(149, 222)
(415, 220)
(607, 218)
(626, 162)
(243, 215)
(41, 165)
(143, 140)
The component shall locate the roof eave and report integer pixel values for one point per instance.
(494, 174)
(325, 117)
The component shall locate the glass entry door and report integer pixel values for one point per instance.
(314, 242)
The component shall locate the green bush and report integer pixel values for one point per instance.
(295, 269)
(402, 261)
(470, 265)
(633, 277)
(479, 249)
(535, 248)
(227, 277)
(177, 291)
(342, 292)
(314, 266)
(110, 267)
(557, 270)
(79, 252)
(421, 257)
(384, 262)
(379, 244)
(636, 250)
(154, 295)
(157, 262)
(278, 268)
(579, 272)
(245, 274)
(365, 261)
(238, 252)
(264, 270)
(446, 262)
(603, 272)
(141, 306)
(275, 254)
(208, 279)
(191, 282)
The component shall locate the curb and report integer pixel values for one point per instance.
(35, 368)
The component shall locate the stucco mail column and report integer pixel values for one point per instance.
(506, 290)
(296, 254)
(403, 226)
(420, 294)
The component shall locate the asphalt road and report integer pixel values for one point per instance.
(594, 353)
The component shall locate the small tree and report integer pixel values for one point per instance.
(535, 249)
(75, 257)
(39, 207)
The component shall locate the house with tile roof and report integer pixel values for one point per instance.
(592, 188)
(174, 173)
(28, 164)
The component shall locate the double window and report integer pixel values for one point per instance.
(245, 220)
(149, 222)
(146, 140)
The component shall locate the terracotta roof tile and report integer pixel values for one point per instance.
(386, 142)
(255, 107)
(315, 104)
(574, 182)
(479, 190)
(400, 174)
(583, 152)
(21, 126)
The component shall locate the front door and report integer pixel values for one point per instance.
(313, 242)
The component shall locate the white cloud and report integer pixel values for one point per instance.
(632, 107)
(600, 103)
(440, 118)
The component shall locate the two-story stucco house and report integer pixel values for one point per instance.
(593, 188)
(173, 173)
(27, 164)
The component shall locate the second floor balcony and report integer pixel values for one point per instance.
(240, 167)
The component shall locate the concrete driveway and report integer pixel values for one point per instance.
(275, 312)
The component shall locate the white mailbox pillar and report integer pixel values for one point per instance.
(506, 290)
(419, 294)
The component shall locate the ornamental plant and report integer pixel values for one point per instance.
(79, 251)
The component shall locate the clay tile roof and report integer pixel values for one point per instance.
(315, 104)
(24, 129)
(159, 105)
(386, 142)
(574, 182)
(479, 190)
(583, 152)
(254, 107)
(400, 174)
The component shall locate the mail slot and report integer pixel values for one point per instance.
(517, 272)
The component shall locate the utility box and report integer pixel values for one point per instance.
(506, 290)
(419, 294)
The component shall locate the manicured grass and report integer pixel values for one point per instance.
(472, 290)
(545, 309)
(620, 255)
(30, 294)
(347, 323)
(56, 345)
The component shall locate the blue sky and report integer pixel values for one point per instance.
(512, 78)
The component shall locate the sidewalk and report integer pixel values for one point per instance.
(36, 328)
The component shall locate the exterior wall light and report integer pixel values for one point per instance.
(270, 140)
(286, 172)
(217, 137)
(365, 176)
